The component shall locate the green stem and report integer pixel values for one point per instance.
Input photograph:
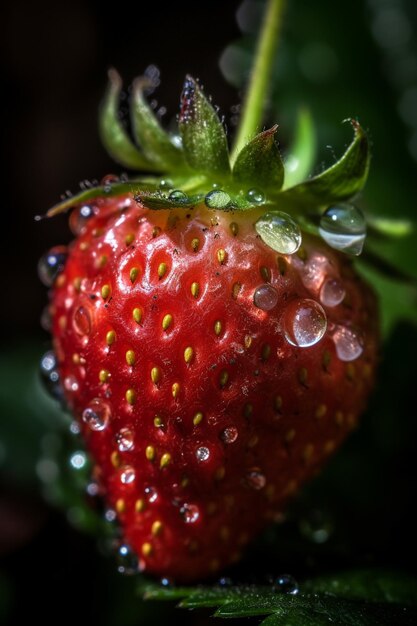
(253, 106)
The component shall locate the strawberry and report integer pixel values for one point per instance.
(214, 352)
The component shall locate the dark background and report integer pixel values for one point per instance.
(343, 59)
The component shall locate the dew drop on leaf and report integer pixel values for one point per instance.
(285, 583)
(343, 227)
(256, 196)
(217, 199)
(279, 231)
(178, 196)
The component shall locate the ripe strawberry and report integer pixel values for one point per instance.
(212, 359)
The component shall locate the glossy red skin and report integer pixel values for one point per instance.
(321, 396)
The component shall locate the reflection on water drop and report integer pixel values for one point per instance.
(125, 440)
(343, 227)
(190, 513)
(217, 199)
(97, 414)
(348, 343)
(285, 583)
(255, 479)
(279, 231)
(151, 494)
(304, 323)
(265, 297)
(50, 376)
(256, 196)
(332, 292)
(202, 453)
(79, 218)
(128, 475)
(51, 264)
(229, 434)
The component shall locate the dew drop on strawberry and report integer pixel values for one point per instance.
(125, 440)
(190, 513)
(265, 297)
(348, 343)
(71, 384)
(202, 453)
(343, 227)
(229, 434)
(97, 414)
(279, 231)
(51, 265)
(255, 479)
(304, 323)
(128, 475)
(332, 292)
(81, 321)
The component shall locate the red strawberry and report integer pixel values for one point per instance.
(211, 373)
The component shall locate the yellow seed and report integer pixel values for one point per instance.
(185, 481)
(188, 354)
(195, 289)
(220, 473)
(175, 390)
(157, 420)
(218, 327)
(77, 283)
(130, 396)
(84, 245)
(223, 378)
(282, 265)
(221, 256)
(103, 376)
(327, 357)
(162, 269)
(265, 352)
(120, 505)
(290, 435)
(137, 314)
(165, 460)
(253, 441)
(234, 228)
(130, 238)
(308, 452)
(302, 254)
(248, 341)
(167, 321)
(105, 291)
(155, 231)
(110, 337)
(248, 410)
(269, 491)
(133, 274)
(60, 281)
(115, 459)
(103, 260)
(195, 244)
(321, 411)
(155, 375)
(140, 505)
(236, 290)
(147, 549)
(197, 419)
(303, 375)
(350, 371)
(339, 418)
(224, 533)
(265, 273)
(150, 453)
(62, 322)
(278, 403)
(329, 446)
(130, 357)
(157, 527)
(76, 358)
(211, 508)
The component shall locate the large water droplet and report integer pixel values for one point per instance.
(348, 343)
(332, 292)
(229, 434)
(343, 227)
(304, 323)
(256, 196)
(127, 561)
(190, 513)
(265, 297)
(279, 231)
(128, 475)
(217, 199)
(202, 453)
(97, 414)
(51, 264)
(81, 321)
(79, 218)
(256, 479)
(125, 440)
(285, 583)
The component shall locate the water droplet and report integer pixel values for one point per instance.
(190, 513)
(127, 561)
(343, 227)
(51, 264)
(166, 184)
(304, 323)
(202, 453)
(166, 582)
(110, 515)
(92, 489)
(128, 475)
(348, 343)
(71, 384)
(74, 428)
(265, 297)
(50, 376)
(285, 583)
(316, 526)
(125, 440)
(151, 494)
(332, 292)
(78, 460)
(79, 218)
(256, 196)
(255, 479)
(229, 434)
(97, 414)
(81, 321)
(279, 231)
(313, 272)
(217, 199)
(178, 196)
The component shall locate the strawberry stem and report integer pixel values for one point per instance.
(254, 103)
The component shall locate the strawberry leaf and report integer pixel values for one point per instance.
(176, 200)
(259, 162)
(341, 181)
(203, 135)
(302, 152)
(113, 135)
(156, 144)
